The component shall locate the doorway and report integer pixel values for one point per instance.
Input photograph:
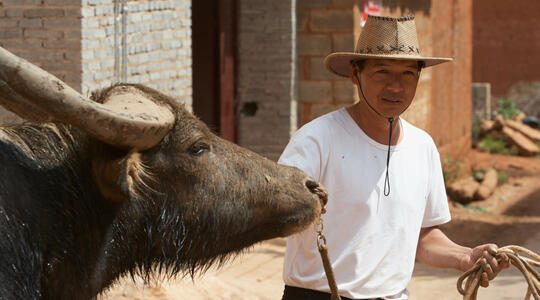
(214, 64)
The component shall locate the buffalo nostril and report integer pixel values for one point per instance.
(311, 184)
(318, 190)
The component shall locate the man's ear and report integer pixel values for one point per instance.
(354, 73)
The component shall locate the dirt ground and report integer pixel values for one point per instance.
(511, 216)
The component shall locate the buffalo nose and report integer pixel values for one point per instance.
(318, 190)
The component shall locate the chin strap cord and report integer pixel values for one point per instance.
(387, 177)
(390, 122)
(473, 277)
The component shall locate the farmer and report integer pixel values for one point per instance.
(383, 176)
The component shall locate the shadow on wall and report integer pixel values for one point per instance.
(409, 6)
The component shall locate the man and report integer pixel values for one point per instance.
(383, 176)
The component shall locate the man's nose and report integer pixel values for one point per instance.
(394, 83)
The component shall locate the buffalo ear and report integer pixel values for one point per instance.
(122, 178)
(134, 177)
(106, 173)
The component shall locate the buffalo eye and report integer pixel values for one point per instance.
(198, 148)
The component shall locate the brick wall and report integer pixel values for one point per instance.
(158, 45)
(324, 26)
(74, 40)
(266, 75)
(45, 32)
(505, 45)
(450, 112)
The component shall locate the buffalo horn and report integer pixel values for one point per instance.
(128, 120)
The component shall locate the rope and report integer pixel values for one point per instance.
(524, 264)
(323, 250)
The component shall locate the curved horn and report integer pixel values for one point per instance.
(141, 130)
(17, 104)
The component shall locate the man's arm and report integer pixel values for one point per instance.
(437, 250)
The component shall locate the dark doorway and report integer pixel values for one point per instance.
(214, 56)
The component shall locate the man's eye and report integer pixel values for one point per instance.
(382, 71)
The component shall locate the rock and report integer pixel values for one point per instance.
(525, 146)
(531, 133)
(463, 190)
(487, 186)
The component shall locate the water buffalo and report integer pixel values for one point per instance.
(127, 182)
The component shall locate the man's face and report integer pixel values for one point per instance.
(389, 85)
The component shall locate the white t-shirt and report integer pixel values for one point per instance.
(371, 238)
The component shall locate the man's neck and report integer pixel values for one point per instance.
(374, 125)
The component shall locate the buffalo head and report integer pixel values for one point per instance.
(177, 196)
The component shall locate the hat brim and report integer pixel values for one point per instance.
(339, 63)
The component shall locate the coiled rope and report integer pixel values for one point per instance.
(473, 276)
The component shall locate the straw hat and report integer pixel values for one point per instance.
(383, 38)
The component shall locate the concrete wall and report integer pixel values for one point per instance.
(506, 43)
(266, 75)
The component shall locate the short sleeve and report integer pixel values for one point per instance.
(305, 151)
(436, 211)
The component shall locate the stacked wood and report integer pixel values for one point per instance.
(529, 132)
(488, 185)
(515, 133)
(467, 189)
(463, 190)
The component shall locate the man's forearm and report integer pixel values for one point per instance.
(437, 250)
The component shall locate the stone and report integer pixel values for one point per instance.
(525, 146)
(488, 185)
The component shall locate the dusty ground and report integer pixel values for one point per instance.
(511, 216)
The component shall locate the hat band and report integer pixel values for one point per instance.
(382, 49)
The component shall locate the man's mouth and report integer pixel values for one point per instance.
(392, 100)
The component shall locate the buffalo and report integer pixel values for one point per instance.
(126, 182)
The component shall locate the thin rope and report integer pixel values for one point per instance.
(390, 122)
(473, 276)
(387, 177)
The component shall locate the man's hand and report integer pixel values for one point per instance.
(486, 254)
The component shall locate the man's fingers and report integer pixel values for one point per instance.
(492, 249)
(488, 270)
(485, 281)
(491, 260)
